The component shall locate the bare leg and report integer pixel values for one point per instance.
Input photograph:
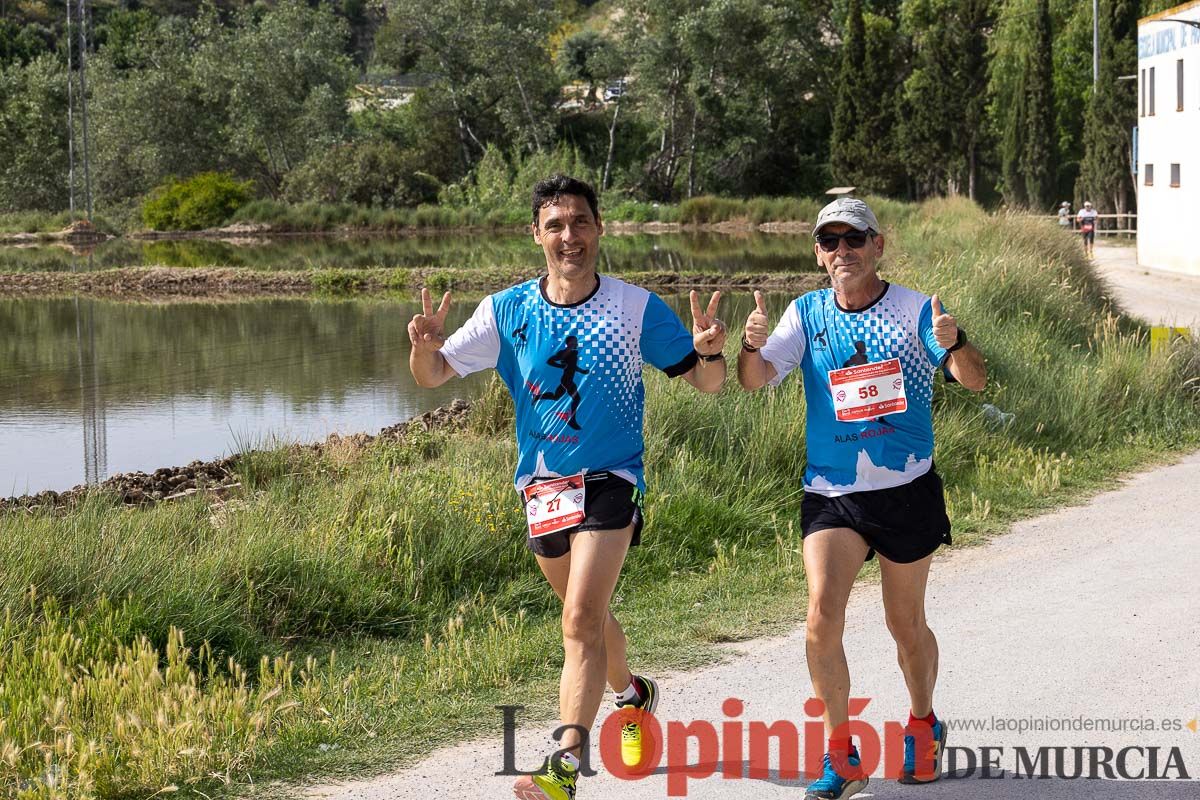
(557, 571)
(596, 561)
(832, 559)
(916, 646)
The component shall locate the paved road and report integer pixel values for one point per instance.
(1158, 296)
(1090, 615)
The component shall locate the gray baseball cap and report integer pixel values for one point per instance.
(850, 210)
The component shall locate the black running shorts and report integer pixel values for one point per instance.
(904, 523)
(611, 504)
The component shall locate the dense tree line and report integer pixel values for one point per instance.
(653, 99)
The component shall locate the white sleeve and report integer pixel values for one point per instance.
(786, 345)
(476, 345)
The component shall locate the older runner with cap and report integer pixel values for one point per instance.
(869, 351)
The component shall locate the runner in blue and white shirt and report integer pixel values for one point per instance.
(869, 352)
(570, 345)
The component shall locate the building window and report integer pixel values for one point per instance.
(1179, 85)
(1151, 94)
(1175, 175)
(1143, 112)
(1149, 170)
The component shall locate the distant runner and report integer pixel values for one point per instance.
(570, 346)
(868, 351)
(1087, 226)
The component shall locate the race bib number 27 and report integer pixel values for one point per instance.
(868, 390)
(554, 505)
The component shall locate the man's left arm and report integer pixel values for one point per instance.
(696, 358)
(967, 367)
(708, 340)
(963, 360)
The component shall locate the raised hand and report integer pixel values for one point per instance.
(427, 330)
(708, 332)
(945, 327)
(757, 323)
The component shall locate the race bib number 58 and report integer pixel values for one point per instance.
(868, 391)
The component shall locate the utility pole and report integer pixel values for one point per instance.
(70, 114)
(1095, 45)
(87, 173)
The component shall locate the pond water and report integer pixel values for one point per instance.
(90, 388)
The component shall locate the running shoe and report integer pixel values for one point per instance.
(832, 786)
(555, 782)
(631, 731)
(930, 767)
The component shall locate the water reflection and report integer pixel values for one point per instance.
(140, 386)
(137, 386)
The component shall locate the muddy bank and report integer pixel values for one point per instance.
(219, 477)
(167, 283)
(77, 233)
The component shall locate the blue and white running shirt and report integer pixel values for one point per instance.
(575, 372)
(882, 451)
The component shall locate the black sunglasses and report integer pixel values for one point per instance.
(856, 239)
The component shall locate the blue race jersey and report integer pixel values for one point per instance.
(574, 372)
(888, 448)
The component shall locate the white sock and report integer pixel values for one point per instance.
(571, 759)
(630, 694)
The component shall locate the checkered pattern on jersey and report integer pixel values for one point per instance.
(595, 421)
(890, 330)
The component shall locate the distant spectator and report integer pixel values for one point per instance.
(1064, 214)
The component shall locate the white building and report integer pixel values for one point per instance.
(1167, 153)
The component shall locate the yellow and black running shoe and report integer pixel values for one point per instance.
(632, 738)
(555, 782)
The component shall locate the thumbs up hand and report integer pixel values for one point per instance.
(945, 327)
(756, 323)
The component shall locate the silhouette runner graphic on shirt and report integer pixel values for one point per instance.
(567, 360)
(859, 357)
(519, 334)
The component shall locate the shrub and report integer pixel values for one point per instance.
(206, 200)
(371, 172)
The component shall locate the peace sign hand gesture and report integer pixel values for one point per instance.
(708, 332)
(426, 330)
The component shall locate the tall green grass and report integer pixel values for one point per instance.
(408, 557)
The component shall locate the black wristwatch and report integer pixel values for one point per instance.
(710, 359)
(958, 342)
(746, 345)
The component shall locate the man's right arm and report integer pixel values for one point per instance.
(426, 333)
(754, 371)
(429, 367)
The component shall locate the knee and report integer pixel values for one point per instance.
(584, 624)
(908, 627)
(826, 621)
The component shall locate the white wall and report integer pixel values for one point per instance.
(1169, 217)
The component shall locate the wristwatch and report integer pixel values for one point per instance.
(713, 357)
(958, 342)
(746, 345)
